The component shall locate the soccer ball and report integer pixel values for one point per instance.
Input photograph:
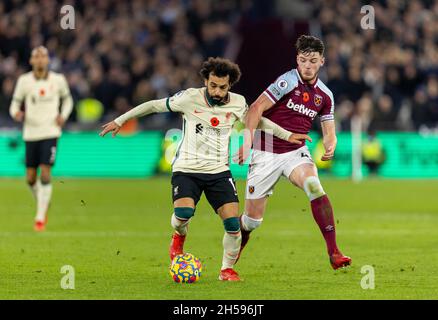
(185, 268)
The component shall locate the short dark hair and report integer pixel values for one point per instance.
(221, 67)
(306, 44)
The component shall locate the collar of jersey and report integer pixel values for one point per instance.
(210, 101)
(43, 78)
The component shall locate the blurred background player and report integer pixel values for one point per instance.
(201, 163)
(293, 101)
(41, 90)
(373, 154)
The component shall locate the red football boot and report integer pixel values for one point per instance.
(229, 275)
(176, 245)
(338, 260)
(39, 226)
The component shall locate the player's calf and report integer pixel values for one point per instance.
(231, 242)
(247, 225)
(181, 218)
(323, 214)
(44, 196)
(179, 221)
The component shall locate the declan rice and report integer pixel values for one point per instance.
(293, 102)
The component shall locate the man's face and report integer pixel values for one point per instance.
(309, 64)
(39, 59)
(217, 87)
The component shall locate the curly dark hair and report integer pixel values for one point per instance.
(220, 67)
(306, 44)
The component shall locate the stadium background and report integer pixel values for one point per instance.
(122, 53)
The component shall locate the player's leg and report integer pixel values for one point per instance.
(32, 182)
(47, 154)
(32, 162)
(264, 171)
(186, 193)
(221, 193)
(44, 196)
(305, 176)
(251, 219)
(229, 214)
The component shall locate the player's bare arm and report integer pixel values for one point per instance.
(329, 139)
(110, 127)
(252, 122)
(60, 121)
(19, 116)
(254, 115)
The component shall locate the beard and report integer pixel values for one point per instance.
(216, 99)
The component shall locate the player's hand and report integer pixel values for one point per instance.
(60, 121)
(299, 138)
(19, 116)
(242, 154)
(329, 147)
(110, 126)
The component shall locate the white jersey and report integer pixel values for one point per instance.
(207, 128)
(41, 98)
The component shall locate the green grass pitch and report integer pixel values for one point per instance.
(115, 233)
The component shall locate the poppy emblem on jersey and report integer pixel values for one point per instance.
(214, 122)
(251, 189)
(42, 92)
(306, 97)
(317, 99)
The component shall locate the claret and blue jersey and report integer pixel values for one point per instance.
(297, 104)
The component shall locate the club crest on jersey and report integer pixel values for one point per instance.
(251, 189)
(317, 99)
(214, 121)
(228, 116)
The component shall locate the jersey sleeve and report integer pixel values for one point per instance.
(282, 86)
(17, 97)
(241, 114)
(153, 106)
(179, 101)
(19, 91)
(64, 90)
(328, 111)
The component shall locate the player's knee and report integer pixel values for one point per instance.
(249, 224)
(184, 213)
(232, 225)
(31, 181)
(45, 180)
(313, 188)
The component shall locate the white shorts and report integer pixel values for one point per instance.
(266, 168)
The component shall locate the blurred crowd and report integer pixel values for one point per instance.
(388, 76)
(122, 53)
